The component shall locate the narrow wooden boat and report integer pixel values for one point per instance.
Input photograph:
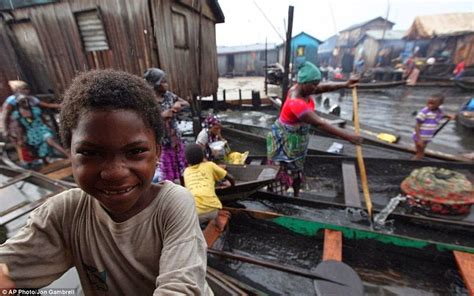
(249, 178)
(253, 138)
(372, 137)
(380, 85)
(284, 243)
(465, 83)
(464, 118)
(334, 179)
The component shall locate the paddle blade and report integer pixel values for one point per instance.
(338, 272)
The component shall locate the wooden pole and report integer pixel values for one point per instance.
(287, 55)
(265, 69)
(360, 158)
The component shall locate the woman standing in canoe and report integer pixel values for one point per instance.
(287, 143)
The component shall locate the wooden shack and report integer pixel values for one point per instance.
(372, 43)
(245, 60)
(47, 42)
(348, 38)
(304, 47)
(450, 35)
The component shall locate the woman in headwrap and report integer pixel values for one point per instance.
(287, 143)
(210, 134)
(172, 159)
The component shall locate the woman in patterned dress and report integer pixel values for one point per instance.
(172, 160)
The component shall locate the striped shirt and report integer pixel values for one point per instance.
(428, 120)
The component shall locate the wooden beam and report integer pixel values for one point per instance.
(465, 263)
(60, 174)
(351, 190)
(332, 245)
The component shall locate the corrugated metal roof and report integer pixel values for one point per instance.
(244, 48)
(365, 23)
(448, 24)
(389, 34)
(328, 44)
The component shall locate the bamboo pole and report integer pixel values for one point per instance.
(360, 158)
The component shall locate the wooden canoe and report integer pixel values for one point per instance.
(370, 135)
(295, 242)
(327, 179)
(253, 138)
(249, 178)
(463, 119)
(465, 83)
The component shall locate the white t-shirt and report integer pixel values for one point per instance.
(161, 250)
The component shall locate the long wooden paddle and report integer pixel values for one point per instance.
(360, 158)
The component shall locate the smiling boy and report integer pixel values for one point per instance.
(125, 235)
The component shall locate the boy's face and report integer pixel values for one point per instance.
(113, 156)
(433, 103)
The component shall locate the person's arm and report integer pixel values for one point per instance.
(183, 258)
(230, 178)
(417, 131)
(6, 282)
(328, 87)
(49, 105)
(37, 255)
(315, 120)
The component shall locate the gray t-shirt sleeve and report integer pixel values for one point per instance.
(37, 255)
(183, 259)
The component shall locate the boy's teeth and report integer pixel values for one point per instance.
(118, 192)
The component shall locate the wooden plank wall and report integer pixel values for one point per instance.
(129, 27)
(10, 69)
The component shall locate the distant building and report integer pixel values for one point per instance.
(304, 47)
(379, 47)
(450, 37)
(245, 60)
(348, 38)
(47, 42)
(326, 51)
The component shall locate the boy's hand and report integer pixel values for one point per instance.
(451, 116)
(6, 282)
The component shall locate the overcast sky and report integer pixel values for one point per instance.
(246, 24)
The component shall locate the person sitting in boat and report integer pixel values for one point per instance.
(427, 122)
(12, 129)
(172, 160)
(122, 233)
(38, 135)
(200, 178)
(287, 143)
(212, 134)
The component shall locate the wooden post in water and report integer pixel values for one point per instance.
(287, 55)
(240, 98)
(265, 69)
